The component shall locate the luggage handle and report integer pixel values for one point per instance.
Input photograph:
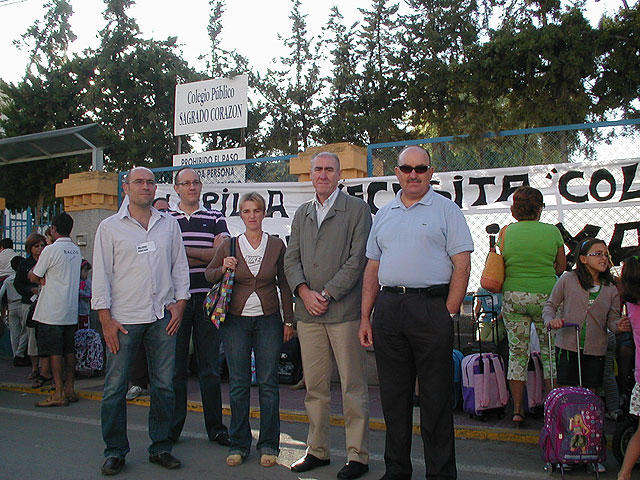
(577, 327)
(476, 322)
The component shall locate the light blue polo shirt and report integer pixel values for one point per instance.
(414, 244)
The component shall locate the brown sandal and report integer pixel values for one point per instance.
(53, 401)
(41, 381)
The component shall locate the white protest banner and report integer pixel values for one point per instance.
(211, 105)
(600, 200)
(211, 175)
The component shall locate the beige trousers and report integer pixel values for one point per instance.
(317, 341)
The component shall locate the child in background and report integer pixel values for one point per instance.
(590, 299)
(85, 295)
(489, 314)
(630, 280)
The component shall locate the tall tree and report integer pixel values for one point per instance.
(48, 41)
(366, 103)
(48, 97)
(292, 93)
(617, 86)
(132, 83)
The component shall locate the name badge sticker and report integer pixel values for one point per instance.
(146, 247)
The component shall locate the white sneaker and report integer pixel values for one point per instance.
(135, 391)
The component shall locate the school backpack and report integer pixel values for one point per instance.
(573, 430)
(484, 385)
(534, 385)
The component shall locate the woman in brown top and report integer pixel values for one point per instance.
(254, 322)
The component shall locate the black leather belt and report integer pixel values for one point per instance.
(433, 291)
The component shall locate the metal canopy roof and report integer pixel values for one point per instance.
(53, 144)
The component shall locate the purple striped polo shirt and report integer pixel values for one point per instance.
(198, 231)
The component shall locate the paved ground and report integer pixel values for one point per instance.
(65, 444)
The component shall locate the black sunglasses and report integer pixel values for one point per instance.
(417, 168)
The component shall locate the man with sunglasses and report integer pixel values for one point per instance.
(416, 276)
(202, 232)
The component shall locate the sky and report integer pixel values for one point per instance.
(249, 26)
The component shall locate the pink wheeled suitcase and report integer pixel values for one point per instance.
(573, 431)
(484, 388)
(534, 386)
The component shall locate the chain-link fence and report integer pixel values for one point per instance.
(582, 202)
(587, 142)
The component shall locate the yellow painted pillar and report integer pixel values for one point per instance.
(353, 160)
(89, 191)
(3, 203)
(89, 197)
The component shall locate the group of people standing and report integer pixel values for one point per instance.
(151, 274)
(393, 284)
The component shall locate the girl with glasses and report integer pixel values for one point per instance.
(590, 299)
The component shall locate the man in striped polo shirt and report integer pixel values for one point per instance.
(202, 232)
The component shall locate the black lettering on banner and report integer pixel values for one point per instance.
(234, 207)
(372, 189)
(563, 187)
(209, 199)
(395, 187)
(598, 176)
(355, 191)
(444, 193)
(508, 186)
(589, 231)
(279, 207)
(618, 252)
(482, 194)
(457, 189)
(629, 173)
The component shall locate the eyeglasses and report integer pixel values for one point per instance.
(139, 182)
(418, 168)
(188, 183)
(597, 254)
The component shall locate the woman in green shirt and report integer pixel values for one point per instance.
(533, 256)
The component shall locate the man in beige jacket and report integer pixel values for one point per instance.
(324, 264)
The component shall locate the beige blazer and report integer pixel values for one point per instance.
(603, 313)
(331, 257)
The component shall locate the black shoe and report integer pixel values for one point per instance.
(309, 462)
(222, 438)
(353, 469)
(21, 362)
(165, 459)
(112, 466)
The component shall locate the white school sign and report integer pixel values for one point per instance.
(211, 105)
(209, 174)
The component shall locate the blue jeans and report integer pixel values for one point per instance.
(207, 343)
(264, 335)
(160, 349)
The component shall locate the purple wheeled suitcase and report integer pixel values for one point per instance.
(573, 431)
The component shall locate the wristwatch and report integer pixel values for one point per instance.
(325, 295)
(288, 324)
